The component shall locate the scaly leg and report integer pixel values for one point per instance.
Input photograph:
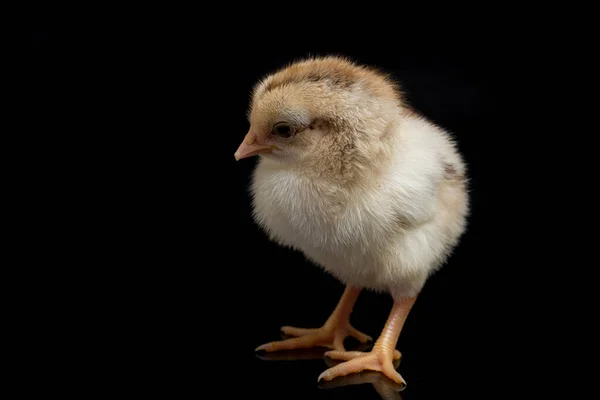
(330, 335)
(381, 357)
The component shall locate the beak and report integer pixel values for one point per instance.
(250, 147)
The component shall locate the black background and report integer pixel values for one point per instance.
(147, 269)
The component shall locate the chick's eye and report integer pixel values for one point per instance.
(283, 129)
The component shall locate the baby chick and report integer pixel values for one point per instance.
(364, 187)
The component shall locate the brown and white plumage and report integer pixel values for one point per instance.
(367, 189)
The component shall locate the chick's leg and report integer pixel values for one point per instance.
(381, 357)
(330, 335)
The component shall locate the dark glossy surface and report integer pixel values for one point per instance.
(188, 341)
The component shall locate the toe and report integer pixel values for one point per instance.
(351, 367)
(361, 337)
(390, 372)
(293, 331)
(303, 342)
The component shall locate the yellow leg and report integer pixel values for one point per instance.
(381, 357)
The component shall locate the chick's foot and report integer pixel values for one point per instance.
(330, 335)
(384, 351)
(379, 359)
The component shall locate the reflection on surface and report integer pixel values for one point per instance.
(385, 387)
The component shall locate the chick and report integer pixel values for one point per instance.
(366, 188)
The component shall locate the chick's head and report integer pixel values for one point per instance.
(318, 108)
